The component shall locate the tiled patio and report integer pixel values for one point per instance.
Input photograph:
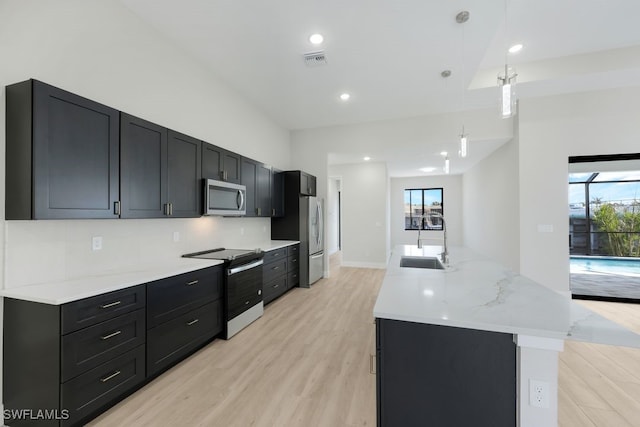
(605, 285)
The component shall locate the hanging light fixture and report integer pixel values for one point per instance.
(507, 81)
(447, 166)
(461, 18)
(463, 144)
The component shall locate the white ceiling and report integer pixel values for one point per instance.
(389, 54)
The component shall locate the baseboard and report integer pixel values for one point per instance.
(364, 264)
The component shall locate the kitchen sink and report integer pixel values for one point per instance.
(432, 263)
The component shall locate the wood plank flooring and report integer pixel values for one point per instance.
(306, 363)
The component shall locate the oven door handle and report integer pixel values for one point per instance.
(245, 267)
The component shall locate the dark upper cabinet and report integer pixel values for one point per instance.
(160, 171)
(220, 164)
(249, 174)
(183, 176)
(257, 178)
(307, 184)
(143, 174)
(277, 193)
(61, 154)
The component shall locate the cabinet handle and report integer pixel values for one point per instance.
(166, 209)
(275, 286)
(170, 209)
(112, 304)
(259, 211)
(371, 364)
(273, 212)
(193, 282)
(275, 268)
(193, 322)
(226, 175)
(116, 207)
(221, 173)
(106, 337)
(246, 302)
(115, 374)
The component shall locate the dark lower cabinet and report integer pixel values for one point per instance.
(279, 272)
(183, 313)
(430, 375)
(62, 154)
(73, 374)
(64, 364)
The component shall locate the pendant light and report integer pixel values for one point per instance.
(461, 18)
(447, 166)
(507, 81)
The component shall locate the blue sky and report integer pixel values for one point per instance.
(434, 195)
(620, 191)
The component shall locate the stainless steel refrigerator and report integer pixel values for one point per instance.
(316, 239)
(303, 220)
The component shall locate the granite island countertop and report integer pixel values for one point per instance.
(476, 292)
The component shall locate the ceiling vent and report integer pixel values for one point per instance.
(315, 59)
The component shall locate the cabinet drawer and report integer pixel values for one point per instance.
(292, 263)
(102, 385)
(293, 279)
(293, 250)
(89, 311)
(171, 341)
(273, 270)
(92, 346)
(275, 255)
(171, 297)
(274, 289)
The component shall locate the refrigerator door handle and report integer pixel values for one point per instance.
(318, 255)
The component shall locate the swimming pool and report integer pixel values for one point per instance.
(605, 265)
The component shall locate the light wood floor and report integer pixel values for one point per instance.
(306, 363)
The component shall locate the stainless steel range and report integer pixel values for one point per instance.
(243, 285)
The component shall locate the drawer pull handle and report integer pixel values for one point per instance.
(193, 322)
(275, 286)
(193, 282)
(106, 337)
(113, 304)
(275, 268)
(115, 374)
(247, 302)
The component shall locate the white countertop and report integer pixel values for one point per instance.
(477, 293)
(65, 291)
(272, 245)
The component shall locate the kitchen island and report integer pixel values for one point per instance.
(475, 343)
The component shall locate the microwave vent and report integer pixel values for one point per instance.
(315, 59)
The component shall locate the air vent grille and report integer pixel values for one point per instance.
(315, 59)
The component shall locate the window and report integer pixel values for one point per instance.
(423, 203)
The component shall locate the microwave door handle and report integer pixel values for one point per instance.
(241, 199)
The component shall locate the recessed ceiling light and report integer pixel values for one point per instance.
(443, 153)
(515, 48)
(316, 38)
(367, 158)
(345, 96)
(428, 169)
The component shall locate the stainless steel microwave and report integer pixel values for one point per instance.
(224, 198)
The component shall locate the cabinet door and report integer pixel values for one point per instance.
(263, 190)
(277, 193)
(183, 176)
(231, 167)
(211, 161)
(75, 156)
(249, 174)
(307, 184)
(143, 161)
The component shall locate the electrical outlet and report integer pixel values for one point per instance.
(538, 394)
(176, 236)
(96, 243)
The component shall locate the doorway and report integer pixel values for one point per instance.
(604, 227)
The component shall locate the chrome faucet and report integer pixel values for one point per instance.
(444, 256)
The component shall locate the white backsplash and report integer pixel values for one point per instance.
(45, 251)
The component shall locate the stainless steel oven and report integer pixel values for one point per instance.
(242, 287)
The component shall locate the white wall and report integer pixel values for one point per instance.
(364, 219)
(453, 209)
(333, 213)
(551, 130)
(492, 206)
(102, 51)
